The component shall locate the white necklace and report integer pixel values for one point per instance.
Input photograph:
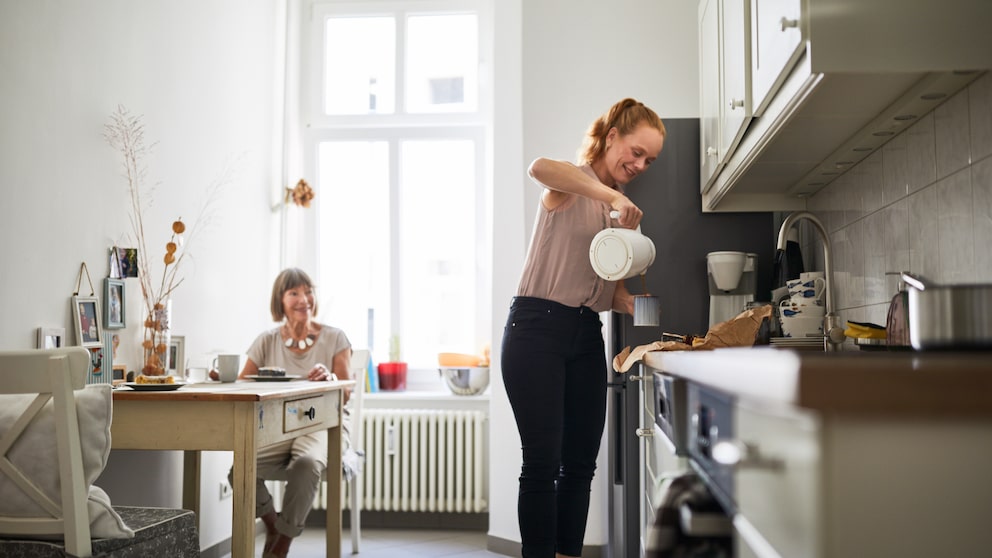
(304, 343)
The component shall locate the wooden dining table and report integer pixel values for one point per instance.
(241, 417)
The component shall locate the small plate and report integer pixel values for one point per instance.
(154, 387)
(258, 378)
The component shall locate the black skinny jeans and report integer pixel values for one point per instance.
(554, 370)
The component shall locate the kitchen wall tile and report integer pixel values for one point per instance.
(847, 251)
(897, 254)
(981, 181)
(953, 137)
(850, 198)
(921, 154)
(980, 112)
(924, 256)
(869, 173)
(886, 248)
(874, 257)
(895, 169)
(955, 228)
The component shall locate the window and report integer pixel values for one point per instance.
(395, 139)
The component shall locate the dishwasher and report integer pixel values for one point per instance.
(681, 512)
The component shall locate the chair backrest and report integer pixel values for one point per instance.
(358, 369)
(49, 374)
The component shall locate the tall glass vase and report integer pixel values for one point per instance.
(155, 342)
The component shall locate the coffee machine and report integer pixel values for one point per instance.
(733, 283)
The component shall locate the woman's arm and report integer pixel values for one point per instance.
(250, 369)
(563, 179)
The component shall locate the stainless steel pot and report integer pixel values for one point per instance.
(949, 316)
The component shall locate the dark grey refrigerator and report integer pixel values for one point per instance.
(668, 193)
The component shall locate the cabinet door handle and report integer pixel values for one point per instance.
(711, 151)
(788, 23)
(736, 103)
(644, 432)
(741, 455)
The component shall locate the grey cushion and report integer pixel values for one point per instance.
(157, 532)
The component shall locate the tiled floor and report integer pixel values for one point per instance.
(394, 543)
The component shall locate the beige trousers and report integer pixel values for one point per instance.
(303, 459)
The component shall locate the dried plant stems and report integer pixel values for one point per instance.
(126, 134)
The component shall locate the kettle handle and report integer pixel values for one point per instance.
(614, 214)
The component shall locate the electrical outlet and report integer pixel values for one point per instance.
(225, 490)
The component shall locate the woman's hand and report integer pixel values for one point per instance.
(623, 301)
(630, 214)
(319, 373)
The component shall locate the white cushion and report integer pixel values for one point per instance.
(35, 454)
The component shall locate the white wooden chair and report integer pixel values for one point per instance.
(62, 526)
(358, 370)
(49, 376)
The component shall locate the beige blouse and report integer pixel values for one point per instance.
(557, 266)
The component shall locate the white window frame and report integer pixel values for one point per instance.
(393, 128)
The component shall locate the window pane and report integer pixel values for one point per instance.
(442, 58)
(360, 65)
(353, 200)
(438, 249)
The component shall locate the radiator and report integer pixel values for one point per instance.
(419, 460)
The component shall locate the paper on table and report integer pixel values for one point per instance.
(740, 331)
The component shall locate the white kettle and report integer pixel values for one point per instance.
(617, 254)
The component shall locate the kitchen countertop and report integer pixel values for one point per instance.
(928, 384)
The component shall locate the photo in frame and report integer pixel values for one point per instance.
(113, 300)
(86, 321)
(177, 356)
(128, 261)
(115, 263)
(51, 337)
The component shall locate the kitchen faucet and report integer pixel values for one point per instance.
(833, 333)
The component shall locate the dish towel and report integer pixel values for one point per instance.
(665, 538)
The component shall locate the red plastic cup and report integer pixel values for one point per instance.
(392, 376)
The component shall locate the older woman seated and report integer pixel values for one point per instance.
(302, 346)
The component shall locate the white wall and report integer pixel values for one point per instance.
(577, 58)
(206, 76)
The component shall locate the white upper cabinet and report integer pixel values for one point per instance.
(795, 92)
(737, 87)
(709, 91)
(776, 44)
(725, 95)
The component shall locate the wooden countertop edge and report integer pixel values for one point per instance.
(930, 385)
(236, 391)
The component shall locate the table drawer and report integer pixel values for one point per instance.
(308, 412)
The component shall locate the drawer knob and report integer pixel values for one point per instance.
(311, 413)
(788, 23)
(736, 104)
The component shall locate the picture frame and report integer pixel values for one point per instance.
(177, 356)
(86, 321)
(51, 337)
(113, 300)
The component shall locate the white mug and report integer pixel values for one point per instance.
(806, 292)
(790, 308)
(646, 310)
(227, 367)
